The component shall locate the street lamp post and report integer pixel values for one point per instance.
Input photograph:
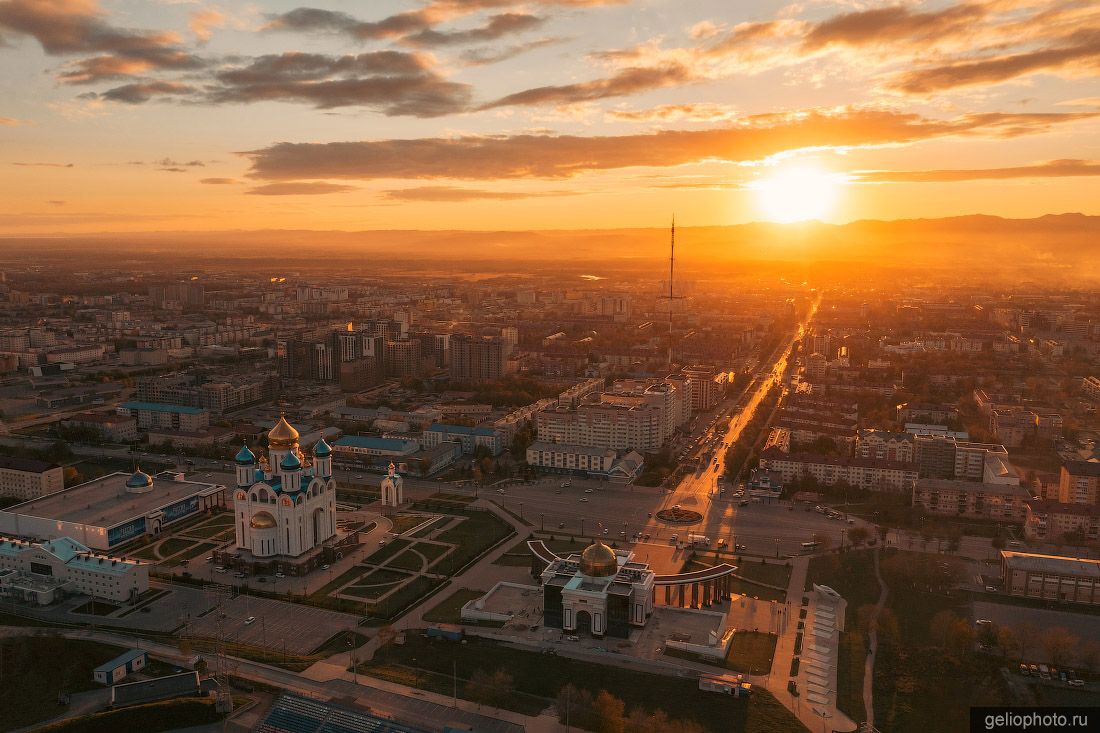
(776, 548)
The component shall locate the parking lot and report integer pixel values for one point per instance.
(279, 625)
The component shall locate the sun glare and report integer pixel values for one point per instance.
(797, 193)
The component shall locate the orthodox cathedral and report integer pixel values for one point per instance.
(284, 506)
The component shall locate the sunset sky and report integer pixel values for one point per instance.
(120, 115)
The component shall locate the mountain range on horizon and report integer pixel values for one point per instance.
(1062, 241)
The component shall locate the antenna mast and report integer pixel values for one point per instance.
(671, 267)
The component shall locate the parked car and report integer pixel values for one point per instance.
(1072, 683)
(561, 525)
(250, 620)
(279, 575)
(1023, 670)
(584, 498)
(588, 491)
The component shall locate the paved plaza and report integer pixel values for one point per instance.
(279, 625)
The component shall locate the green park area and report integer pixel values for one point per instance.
(39, 668)
(927, 673)
(530, 682)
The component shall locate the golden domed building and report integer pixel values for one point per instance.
(285, 506)
(600, 592)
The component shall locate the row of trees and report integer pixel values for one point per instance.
(605, 713)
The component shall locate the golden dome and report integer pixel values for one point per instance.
(262, 520)
(599, 561)
(283, 435)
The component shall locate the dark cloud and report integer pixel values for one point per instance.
(299, 188)
(56, 202)
(419, 26)
(169, 162)
(140, 92)
(489, 55)
(1081, 50)
(218, 181)
(43, 165)
(449, 194)
(562, 156)
(391, 82)
(328, 21)
(71, 27)
(893, 24)
(622, 83)
(1050, 169)
(497, 27)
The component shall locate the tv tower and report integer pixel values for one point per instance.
(671, 296)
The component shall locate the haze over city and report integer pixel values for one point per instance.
(501, 366)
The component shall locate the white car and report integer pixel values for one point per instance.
(588, 491)
(279, 575)
(250, 620)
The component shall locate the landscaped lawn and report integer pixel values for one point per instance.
(38, 668)
(386, 551)
(769, 573)
(471, 537)
(209, 529)
(172, 545)
(448, 611)
(199, 549)
(404, 522)
(401, 598)
(158, 716)
(751, 652)
(430, 551)
(407, 560)
(538, 678)
(849, 675)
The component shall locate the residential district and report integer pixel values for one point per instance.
(315, 501)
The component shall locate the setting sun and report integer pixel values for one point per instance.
(797, 193)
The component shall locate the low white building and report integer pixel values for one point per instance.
(47, 571)
(584, 460)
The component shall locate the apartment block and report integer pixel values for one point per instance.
(1003, 502)
(26, 478)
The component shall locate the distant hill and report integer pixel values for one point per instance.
(1069, 242)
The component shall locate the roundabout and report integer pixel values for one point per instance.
(679, 516)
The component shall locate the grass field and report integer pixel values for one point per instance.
(172, 545)
(407, 560)
(851, 574)
(768, 573)
(849, 675)
(472, 537)
(46, 666)
(430, 551)
(448, 610)
(538, 678)
(394, 603)
(386, 551)
(751, 652)
(152, 718)
(404, 522)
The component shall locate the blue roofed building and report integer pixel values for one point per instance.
(470, 438)
(156, 416)
(44, 572)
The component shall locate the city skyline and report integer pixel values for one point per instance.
(453, 114)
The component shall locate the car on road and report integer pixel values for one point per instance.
(326, 566)
(1076, 683)
(238, 575)
(675, 507)
(358, 478)
(500, 491)
(583, 498)
(381, 541)
(605, 530)
(279, 575)
(250, 620)
(990, 589)
(1023, 670)
(740, 548)
(744, 502)
(588, 491)
(674, 538)
(561, 525)
(984, 622)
